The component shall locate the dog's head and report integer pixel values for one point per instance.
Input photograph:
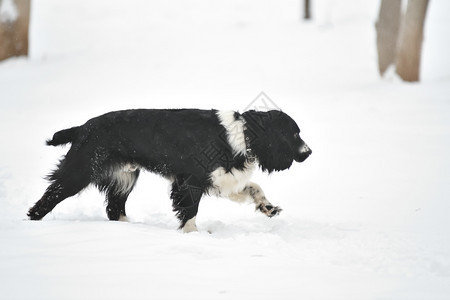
(275, 139)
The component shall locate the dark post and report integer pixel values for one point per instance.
(307, 9)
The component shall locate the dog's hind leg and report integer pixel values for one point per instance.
(117, 192)
(55, 193)
(186, 194)
(255, 193)
(72, 176)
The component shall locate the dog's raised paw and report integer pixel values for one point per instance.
(269, 210)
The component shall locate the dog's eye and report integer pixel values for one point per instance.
(296, 135)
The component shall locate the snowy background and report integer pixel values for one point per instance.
(365, 217)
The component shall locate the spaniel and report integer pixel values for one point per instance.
(199, 151)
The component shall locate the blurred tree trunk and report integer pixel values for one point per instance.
(307, 9)
(410, 44)
(399, 42)
(14, 23)
(388, 26)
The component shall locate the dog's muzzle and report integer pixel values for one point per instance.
(305, 149)
(303, 154)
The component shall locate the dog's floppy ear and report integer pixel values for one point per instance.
(267, 133)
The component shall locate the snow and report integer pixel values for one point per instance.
(365, 217)
(8, 11)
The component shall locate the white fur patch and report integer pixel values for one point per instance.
(130, 168)
(123, 180)
(235, 131)
(190, 226)
(225, 184)
(123, 218)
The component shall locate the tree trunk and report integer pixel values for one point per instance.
(14, 22)
(410, 45)
(307, 9)
(387, 26)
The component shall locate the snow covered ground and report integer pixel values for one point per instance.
(365, 217)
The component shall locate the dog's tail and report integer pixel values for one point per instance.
(63, 137)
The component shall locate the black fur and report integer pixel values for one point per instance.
(184, 145)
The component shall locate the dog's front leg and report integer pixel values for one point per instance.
(255, 193)
(186, 194)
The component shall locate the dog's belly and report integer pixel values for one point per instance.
(225, 184)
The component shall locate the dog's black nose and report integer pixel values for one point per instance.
(303, 153)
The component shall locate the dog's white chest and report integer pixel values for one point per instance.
(225, 184)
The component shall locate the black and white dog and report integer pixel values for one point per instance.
(199, 151)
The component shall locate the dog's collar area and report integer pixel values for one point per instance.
(251, 157)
